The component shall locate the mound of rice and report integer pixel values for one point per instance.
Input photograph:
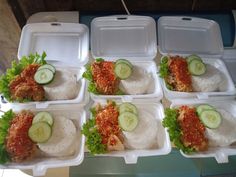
(144, 135)
(63, 87)
(137, 83)
(61, 143)
(208, 82)
(225, 134)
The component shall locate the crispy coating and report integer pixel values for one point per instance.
(193, 131)
(104, 77)
(18, 144)
(108, 127)
(179, 76)
(25, 87)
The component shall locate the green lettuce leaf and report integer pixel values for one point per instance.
(5, 121)
(16, 69)
(170, 122)
(164, 67)
(93, 137)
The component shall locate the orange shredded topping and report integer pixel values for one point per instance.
(192, 128)
(180, 76)
(104, 77)
(107, 123)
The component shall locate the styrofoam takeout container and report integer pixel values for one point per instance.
(163, 142)
(40, 164)
(66, 46)
(221, 154)
(129, 37)
(189, 35)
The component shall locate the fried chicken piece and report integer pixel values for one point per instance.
(114, 144)
(24, 86)
(105, 78)
(29, 90)
(18, 144)
(179, 77)
(193, 131)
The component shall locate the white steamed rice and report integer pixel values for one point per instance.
(63, 87)
(144, 135)
(225, 134)
(61, 143)
(208, 82)
(138, 83)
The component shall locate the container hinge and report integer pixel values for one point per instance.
(202, 96)
(41, 105)
(126, 98)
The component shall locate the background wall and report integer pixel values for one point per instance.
(24, 8)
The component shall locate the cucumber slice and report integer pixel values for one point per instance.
(124, 61)
(164, 58)
(211, 118)
(196, 67)
(128, 121)
(128, 107)
(43, 117)
(48, 66)
(193, 57)
(204, 107)
(40, 132)
(43, 76)
(123, 70)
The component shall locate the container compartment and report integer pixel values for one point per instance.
(163, 145)
(219, 153)
(129, 37)
(66, 46)
(226, 87)
(40, 163)
(189, 35)
(154, 89)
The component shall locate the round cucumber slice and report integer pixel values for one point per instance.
(164, 58)
(196, 67)
(43, 117)
(128, 121)
(211, 118)
(40, 132)
(123, 70)
(193, 57)
(128, 107)
(43, 76)
(48, 66)
(204, 107)
(124, 61)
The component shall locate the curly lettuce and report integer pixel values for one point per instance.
(4, 126)
(164, 67)
(16, 69)
(93, 137)
(170, 122)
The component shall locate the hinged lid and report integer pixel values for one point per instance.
(189, 35)
(63, 42)
(132, 37)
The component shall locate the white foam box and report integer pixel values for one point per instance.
(154, 110)
(129, 37)
(184, 36)
(66, 46)
(221, 154)
(40, 163)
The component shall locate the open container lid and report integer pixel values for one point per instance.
(131, 37)
(66, 43)
(189, 35)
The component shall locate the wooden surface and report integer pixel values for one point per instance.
(9, 36)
